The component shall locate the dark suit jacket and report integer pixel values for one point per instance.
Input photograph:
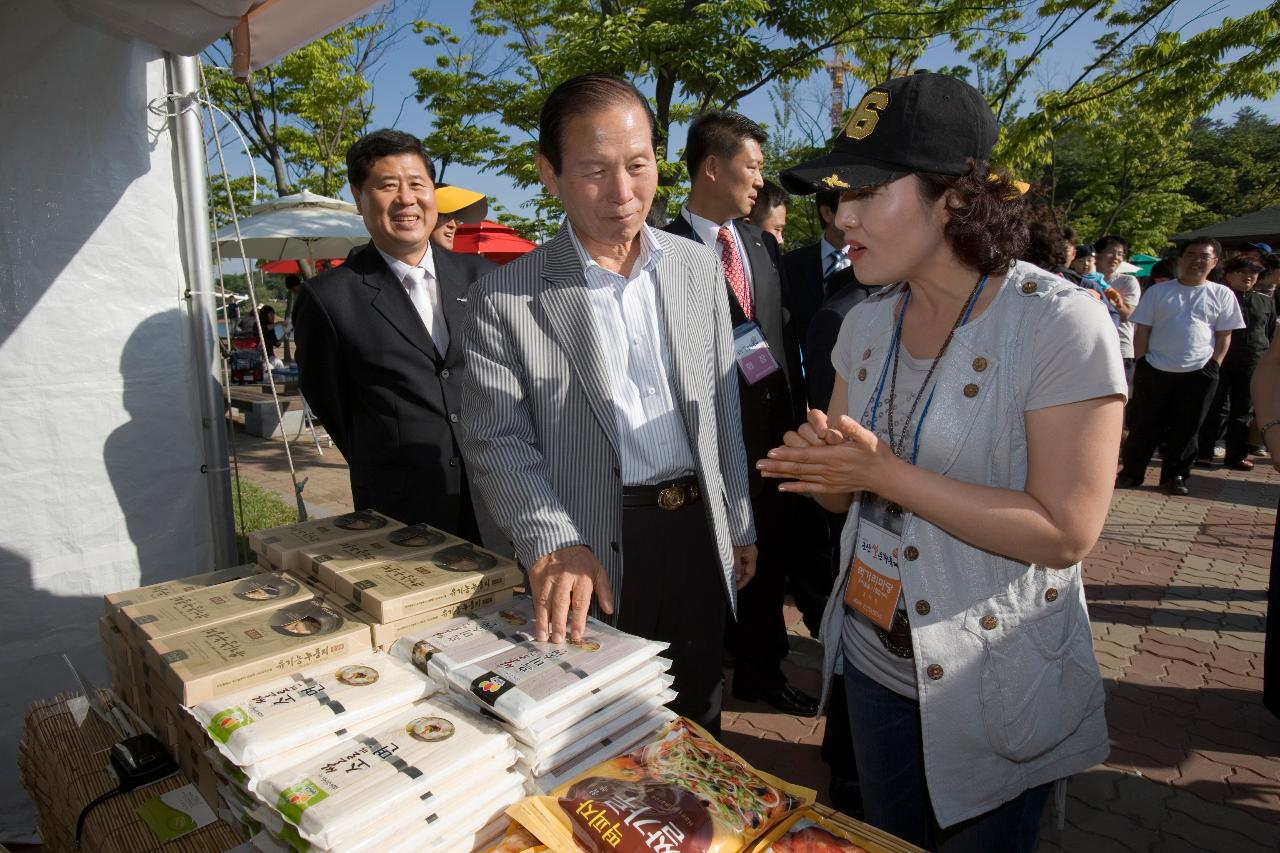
(370, 371)
(820, 374)
(775, 404)
(806, 292)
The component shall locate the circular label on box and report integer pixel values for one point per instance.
(265, 588)
(357, 675)
(361, 519)
(429, 729)
(416, 536)
(307, 620)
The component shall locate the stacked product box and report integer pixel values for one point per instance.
(358, 754)
(280, 548)
(568, 706)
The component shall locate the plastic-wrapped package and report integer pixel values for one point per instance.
(447, 645)
(575, 741)
(598, 750)
(644, 681)
(281, 548)
(210, 605)
(416, 756)
(681, 789)
(292, 711)
(514, 839)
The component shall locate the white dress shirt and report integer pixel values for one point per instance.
(709, 232)
(652, 442)
(427, 298)
(828, 252)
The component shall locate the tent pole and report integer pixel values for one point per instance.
(184, 84)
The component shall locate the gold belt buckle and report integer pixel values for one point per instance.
(672, 497)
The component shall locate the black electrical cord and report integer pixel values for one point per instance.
(84, 812)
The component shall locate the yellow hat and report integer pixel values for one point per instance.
(453, 199)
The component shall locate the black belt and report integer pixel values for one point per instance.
(671, 495)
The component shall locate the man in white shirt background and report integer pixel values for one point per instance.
(1182, 330)
(1123, 292)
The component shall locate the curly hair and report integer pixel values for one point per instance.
(1046, 248)
(987, 229)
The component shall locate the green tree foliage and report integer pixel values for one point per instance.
(1233, 167)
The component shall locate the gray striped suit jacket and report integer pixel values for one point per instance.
(538, 423)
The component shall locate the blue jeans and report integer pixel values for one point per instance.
(895, 796)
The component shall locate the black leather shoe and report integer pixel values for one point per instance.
(1176, 486)
(1124, 481)
(785, 698)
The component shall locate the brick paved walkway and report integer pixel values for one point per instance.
(1177, 594)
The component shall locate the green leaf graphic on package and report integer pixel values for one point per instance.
(175, 813)
(226, 722)
(296, 799)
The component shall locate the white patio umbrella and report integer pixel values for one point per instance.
(294, 227)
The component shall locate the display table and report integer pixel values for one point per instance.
(259, 409)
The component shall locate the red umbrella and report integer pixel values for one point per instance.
(291, 267)
(499, 243)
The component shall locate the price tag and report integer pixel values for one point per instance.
(752, 351)
(875, 579)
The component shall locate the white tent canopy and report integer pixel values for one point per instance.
(114, 471)
(294, 227)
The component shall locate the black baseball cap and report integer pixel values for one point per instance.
(1084, 250)
(924, 122)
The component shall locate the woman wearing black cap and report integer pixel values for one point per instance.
(972, 437)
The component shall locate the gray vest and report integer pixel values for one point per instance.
(1010, 693)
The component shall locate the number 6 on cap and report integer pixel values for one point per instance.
(864, 118)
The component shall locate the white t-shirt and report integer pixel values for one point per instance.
(1131, 292)
(1072, 361)
(1183, 319)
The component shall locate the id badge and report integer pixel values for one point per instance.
(875, 580)
(752, 351)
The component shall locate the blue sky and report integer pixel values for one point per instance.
(394, 104)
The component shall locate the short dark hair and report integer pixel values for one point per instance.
(1046, 247)
(1106, 242)
(291, 281)
(829, 199)
(987, 228)
(1201, 241)
(1271, 261)
(770, 196)
(1240, 262)
(579, 96)
(1069, 234)
(372, 147)
(720, 133)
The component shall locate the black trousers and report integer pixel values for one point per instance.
(1230, 410)
(1166, 412)
(673, 591)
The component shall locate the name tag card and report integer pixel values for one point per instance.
(752, 351)
(875, 579)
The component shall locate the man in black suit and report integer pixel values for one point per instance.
(814, 273)
(380, 350)
(724, 158)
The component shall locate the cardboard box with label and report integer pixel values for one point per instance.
(403, 543)
(212, 605)
(199, 665)
(400, 589)
(164, 589)
(281, 547)
(384, 634)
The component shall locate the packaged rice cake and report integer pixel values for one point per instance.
(402, 588)
(817, 829)
(281, 547)
(327, 560)
(682, 790)
(571, 744)
(450, 644)
(164, 589)
(596, 751)
(209, 605)
(230, 657)
(385, 634)
(298, 708)
(415, 757)
(514, 839)
(640, 684)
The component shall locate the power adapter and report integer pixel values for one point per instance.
(138, 761)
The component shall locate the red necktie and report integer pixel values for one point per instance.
(733, 270)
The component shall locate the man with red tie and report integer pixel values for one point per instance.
(725, 161)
